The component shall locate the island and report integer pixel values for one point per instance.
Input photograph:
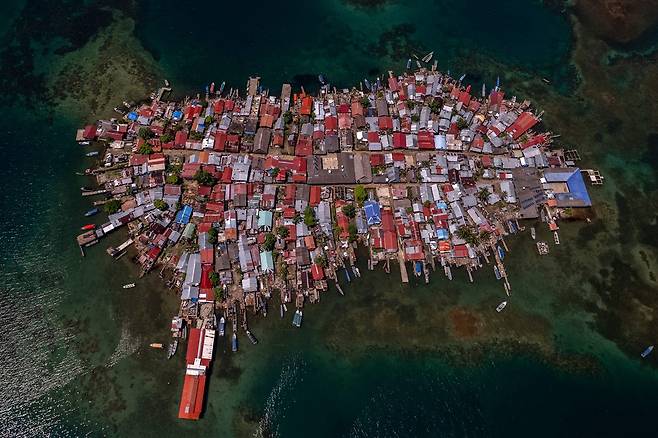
(247, 200)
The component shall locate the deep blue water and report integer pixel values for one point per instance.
(72, 347)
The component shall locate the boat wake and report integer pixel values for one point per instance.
(280, 398)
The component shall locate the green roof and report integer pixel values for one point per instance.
(266, 261)
(188, 232)
(264, 218)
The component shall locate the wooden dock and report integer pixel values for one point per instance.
(403, 267)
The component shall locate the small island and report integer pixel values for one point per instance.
(243, 201)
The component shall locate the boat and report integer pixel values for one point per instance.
(484, 90)
(92, 153)
(212, 88)
(542, 248)
(366, 82)
(234, 342)
(86, 189)
(88, 227)
(156, 345)
(501, 252)
(546, 80)
(428, 57)
(533, 233)
(356, 271)
(556, 237)
(281, 311)
(222, 326)
(297, 319)
(252, 338)
(92, 212)
(347, 275)
(647, 351)
(462, 77)
(321, 79)
(408, 63)
(221, 87)
(84, 143)
(497, 82)
(129, 286)
(501, 306)
(497, 272)
(171, 350)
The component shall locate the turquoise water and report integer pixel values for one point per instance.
(386, 359)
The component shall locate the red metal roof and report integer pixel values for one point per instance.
(525, 121)
(192, 396)
(317, 272)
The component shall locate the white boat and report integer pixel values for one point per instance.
(297, 319)
(533, 233)
(222, 326)
(556, 237)
(501, 306)
(129, 286)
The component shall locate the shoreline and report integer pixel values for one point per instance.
(237, 200)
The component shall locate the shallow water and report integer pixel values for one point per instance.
(386, 359)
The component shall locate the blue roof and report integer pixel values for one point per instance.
(442, 205)
(132, 115)
(442, 233)
(577, 190)
(183, 216)
(177, 115)
(373, 212)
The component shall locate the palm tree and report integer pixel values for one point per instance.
(483, 194)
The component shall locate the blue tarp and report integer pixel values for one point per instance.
(177, 115)
(373, 212)
(132, 115)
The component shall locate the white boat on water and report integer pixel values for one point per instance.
(533, 233)
(556, 237)
(501, 306)
(129, 286)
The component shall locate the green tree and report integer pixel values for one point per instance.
(214, 278)
(166, 138)
(212, 236)
(196, 135)
(483, 194)
(112, 206)
(287, 117)
(146, 149)
(351, 229)
(208, 120)
(160, 204)
(309, 216)
(173, 179)
(282, 232)
(461, 123)
(204, 178)
(270, 241)
(349, 210)
(321, 260)
(365, 102)
(360, 195)
(145, 133)
(411, 105)
(435, 106)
